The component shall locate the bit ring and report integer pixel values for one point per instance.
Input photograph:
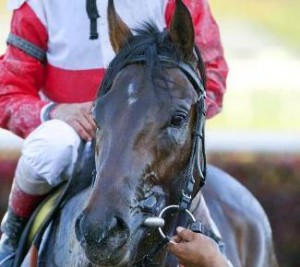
(172, 207)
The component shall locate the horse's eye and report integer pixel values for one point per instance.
(178, 120)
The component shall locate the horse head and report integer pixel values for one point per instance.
(146, 112)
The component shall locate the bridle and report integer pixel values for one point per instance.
(197, 161)
(196, 164)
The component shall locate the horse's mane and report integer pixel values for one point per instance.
(149, 42)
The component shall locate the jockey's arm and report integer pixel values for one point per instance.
(21, 77)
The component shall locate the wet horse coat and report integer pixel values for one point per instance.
(146, 113)
(239, 217)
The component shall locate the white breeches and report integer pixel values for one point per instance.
(48, 157)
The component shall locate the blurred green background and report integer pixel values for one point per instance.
(262, 38)
(278, 16)
(255, 138)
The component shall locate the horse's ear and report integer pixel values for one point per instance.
(182, 30)
(119, 32)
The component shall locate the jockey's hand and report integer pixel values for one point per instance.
(78, 116)
(195, 250)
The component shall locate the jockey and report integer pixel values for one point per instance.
(56, 57)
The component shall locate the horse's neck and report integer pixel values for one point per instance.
(200, 209)
(196, 202)
(201, 213)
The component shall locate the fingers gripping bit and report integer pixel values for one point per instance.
(185, 234)
(171, 241)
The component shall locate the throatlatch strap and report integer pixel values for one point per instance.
(27, 47)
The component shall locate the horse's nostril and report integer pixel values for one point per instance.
(116, 234)
(79, 229)
(117, 224)
(114, 223)
(111, 233)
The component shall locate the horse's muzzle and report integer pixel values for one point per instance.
(105, 241)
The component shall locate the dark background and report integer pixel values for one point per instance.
(274, 180)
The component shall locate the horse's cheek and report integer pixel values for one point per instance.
(177, 136)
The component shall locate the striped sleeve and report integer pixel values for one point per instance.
(22, 76)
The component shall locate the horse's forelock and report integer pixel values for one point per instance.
(150, 43)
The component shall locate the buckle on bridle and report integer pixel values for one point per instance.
(185, 201)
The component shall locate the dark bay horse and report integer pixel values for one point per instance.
(150, 117)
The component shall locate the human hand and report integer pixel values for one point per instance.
(77, 115)
(195, 250)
